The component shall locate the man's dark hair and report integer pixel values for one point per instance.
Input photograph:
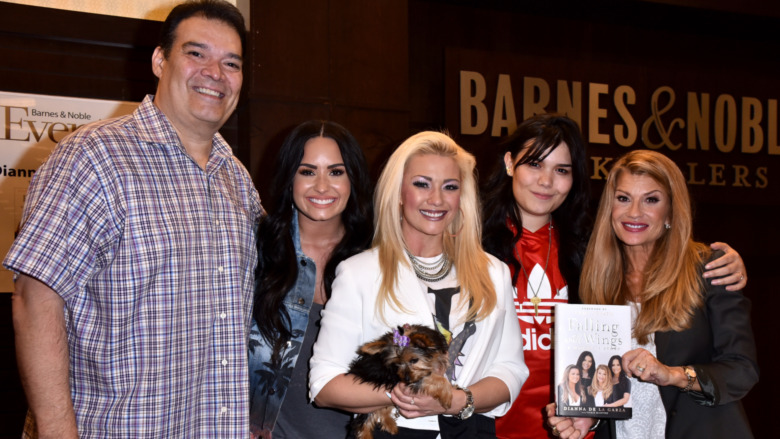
(210, 9)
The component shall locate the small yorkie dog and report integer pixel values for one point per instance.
(413, 354)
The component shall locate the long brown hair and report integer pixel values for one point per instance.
(565, 386)
(672, 282)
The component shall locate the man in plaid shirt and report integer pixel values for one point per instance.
(136, 254)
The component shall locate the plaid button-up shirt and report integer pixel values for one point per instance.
(154, 258)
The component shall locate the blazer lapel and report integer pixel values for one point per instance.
(413, 294)
(662, 340)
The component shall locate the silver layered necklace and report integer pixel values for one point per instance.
(431, 271)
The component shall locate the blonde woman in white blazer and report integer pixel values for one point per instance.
(426, 267)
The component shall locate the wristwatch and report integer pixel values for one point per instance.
(468, 409)
(690, 373)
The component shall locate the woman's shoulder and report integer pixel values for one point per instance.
(709, 255)
(496, 266)
(362, 260)
(495, 263)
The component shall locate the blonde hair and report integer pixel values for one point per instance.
(461, 239)
(606, 389)
(672, 283)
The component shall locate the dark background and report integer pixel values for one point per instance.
(379, 68)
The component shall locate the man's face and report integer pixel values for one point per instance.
(200, 81)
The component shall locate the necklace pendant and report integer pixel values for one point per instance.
(536, 301)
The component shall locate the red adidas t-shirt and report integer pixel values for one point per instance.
(525, 419)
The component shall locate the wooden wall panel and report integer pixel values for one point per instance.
(291, 50)
(370, 54)
(341, 60)
(65, 53)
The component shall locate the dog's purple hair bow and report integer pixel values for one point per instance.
(400, 339)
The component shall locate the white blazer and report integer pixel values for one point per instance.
(349, 320)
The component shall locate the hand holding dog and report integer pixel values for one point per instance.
(412, 405)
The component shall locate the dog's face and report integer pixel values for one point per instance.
(414, 351)
(412, 354)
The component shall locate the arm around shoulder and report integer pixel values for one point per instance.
(42, 353)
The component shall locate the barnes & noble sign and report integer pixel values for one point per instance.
(721, 137)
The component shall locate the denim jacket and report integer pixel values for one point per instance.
(268, 382)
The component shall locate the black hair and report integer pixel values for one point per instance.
(622, 375)
(592, 370)
(211, 9)
(535, 139)
(277, 268)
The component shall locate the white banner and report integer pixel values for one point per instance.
(30, 127)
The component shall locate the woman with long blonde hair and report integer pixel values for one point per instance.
(601, 386)
(426, 266)
(694, 355)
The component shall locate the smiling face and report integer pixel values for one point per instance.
(601, 376)
(430, 199)
(540, 187)
(639, 211)
(616, 368)
(574, 375)
(321, 187)
(200, 80)
(587, 362)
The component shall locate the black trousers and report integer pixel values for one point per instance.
(476, 427)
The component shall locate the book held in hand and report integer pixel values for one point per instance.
(590, 341)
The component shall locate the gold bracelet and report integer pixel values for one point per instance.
(690, 373)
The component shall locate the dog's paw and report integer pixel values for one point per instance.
(386, 420)
(445, 400)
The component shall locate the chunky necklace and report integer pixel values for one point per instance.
(536, 300)
(431, 272)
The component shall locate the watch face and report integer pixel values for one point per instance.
(467, 412)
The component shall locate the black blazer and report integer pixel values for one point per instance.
(721, 348)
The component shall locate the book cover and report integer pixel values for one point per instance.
(590, 341)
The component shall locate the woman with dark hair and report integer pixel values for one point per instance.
(535, 220)
(621, 385)
(321, 214)
(693, 354)
(587, 368)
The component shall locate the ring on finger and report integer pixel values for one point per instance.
(641, 369)
(555, 431)
(412, 403)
